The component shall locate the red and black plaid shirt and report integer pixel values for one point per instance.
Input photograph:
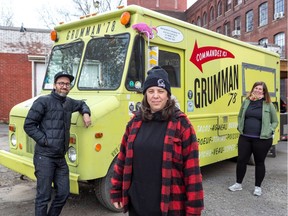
(181, 190)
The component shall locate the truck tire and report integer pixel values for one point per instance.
(102, 190)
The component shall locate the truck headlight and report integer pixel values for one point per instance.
(72, 154)
(13, 140)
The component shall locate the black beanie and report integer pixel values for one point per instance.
(157, 76)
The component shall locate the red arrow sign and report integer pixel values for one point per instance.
(208, 53)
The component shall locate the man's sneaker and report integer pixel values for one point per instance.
(235, 187)
(257, 191)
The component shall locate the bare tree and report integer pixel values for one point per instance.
(6, 17)
(80, 8)
(83, 7)
(102, 6)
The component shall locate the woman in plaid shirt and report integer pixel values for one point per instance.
(157, 170)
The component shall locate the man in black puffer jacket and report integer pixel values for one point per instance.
(48, 123)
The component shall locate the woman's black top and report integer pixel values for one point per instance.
(253, 119)
(145, 190)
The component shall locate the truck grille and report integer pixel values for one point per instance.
(30, 145)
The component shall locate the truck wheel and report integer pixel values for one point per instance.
(102, 190)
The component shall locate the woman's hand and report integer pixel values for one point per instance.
(118, 205)
(256, 96)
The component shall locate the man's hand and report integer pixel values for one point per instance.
(86, 120)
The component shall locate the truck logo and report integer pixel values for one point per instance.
(91, 30)
(208, 53)
(210, 89)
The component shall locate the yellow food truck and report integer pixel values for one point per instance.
(109, 55)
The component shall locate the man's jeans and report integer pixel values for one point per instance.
(48, 170)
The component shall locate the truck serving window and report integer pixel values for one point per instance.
(104, 62)
(63, 58)
(136, 74)
(171, 63)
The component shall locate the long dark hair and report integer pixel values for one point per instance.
(166, 112)
(265, 91)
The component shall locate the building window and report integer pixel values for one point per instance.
(237, 23)
(279, 39)
(228, 5)
(211, 14)
(199, 21)
(263, 42)
(237, 27)
(249, 21)
(218, 30)
(227, 29)
(278, 6)
(237, 2)
(263, 14)
(204, 19)
(219, 9)
(278, 9)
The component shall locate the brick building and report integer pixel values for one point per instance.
(174, 8)
(263, 22)
(166, 5)
(22, 65)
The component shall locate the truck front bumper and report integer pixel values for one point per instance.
(24, 166)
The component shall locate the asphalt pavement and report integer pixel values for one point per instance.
(4, 136)
(17, 195)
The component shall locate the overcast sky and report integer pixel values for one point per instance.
(27, 11)
(190, 2)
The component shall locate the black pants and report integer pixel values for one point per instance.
(259, 148)
(48, 170)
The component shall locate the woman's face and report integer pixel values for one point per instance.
(258, 90)
(157, 98)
